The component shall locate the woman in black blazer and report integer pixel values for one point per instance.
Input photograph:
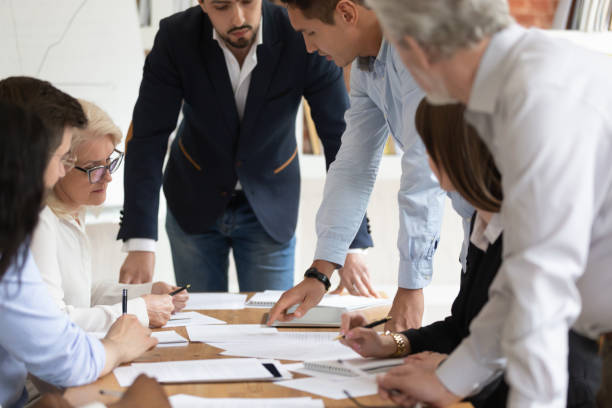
(462, 163)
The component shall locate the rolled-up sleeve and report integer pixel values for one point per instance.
(351, 176)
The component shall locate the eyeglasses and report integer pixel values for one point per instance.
(96, 174)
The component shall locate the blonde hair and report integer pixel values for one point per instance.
(99, 124)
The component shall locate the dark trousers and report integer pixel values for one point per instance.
(604, 397)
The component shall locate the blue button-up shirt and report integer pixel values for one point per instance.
(37, 337)
(383, 100)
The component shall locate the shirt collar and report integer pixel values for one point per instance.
(258, 37)
(369, 64)
(485, 234)
(491, 70)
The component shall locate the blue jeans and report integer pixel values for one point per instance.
(203, 259)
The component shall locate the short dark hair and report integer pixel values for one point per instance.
(24, 156)
(455, 147)
(55, 108)
(320, 9)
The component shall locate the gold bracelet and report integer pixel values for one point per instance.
(401, 344)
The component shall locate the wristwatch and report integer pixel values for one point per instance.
(314, 273)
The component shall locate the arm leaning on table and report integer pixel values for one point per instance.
(326, 93)
(155, 115)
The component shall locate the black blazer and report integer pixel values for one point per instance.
(213, 149)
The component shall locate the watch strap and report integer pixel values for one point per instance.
(321, 277)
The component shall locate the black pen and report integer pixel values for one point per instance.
(124, 301)
(369, 325)
(182, 288)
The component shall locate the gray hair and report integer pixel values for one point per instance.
(98, 124)
(442, 27)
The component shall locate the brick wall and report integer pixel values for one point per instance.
(537, 13)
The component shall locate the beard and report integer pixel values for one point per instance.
(241, 42)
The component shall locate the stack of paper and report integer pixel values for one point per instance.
(327, 313)
(188, 401)
(265, 342)
(190, 319)
(215, 300)
(215, 370)
(169, 338)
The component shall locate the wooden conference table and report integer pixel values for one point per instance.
(198, 351)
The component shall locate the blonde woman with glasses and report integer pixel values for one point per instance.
(61, 247)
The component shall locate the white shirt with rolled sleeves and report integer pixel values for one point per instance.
(544, 108)
(61, 249)
(383, 102)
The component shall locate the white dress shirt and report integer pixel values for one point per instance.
(544, 108)
(61, 249)
(240, 77)
(486, 233)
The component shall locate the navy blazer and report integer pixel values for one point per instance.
(213, 148)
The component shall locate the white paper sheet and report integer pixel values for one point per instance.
(169, 338)
(188, 401)
(227, 333)
(191, 319)
(265, 299)
(357, 387)
(214, 300)
(213, 370)
(297, 346)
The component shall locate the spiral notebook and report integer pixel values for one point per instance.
(367, 365)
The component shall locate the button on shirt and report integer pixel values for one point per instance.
(383, 101)
(240, 77)
(543, 106)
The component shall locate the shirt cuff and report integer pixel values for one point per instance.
(362, 251)
(139, 244)
(461, 373)
(415, 275)
(331, 250)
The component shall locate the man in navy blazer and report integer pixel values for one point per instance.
(238, 70)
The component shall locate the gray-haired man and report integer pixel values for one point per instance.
(543, 107)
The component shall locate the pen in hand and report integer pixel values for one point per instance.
(124, 301)
(182, 288)
(369, 325)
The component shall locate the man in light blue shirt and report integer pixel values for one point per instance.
(384, 98)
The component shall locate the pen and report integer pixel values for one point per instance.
(182, 288)
(112, 393)
(369, 326)
(124, 301)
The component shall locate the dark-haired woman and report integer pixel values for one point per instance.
(462, 163)
(36, 337)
